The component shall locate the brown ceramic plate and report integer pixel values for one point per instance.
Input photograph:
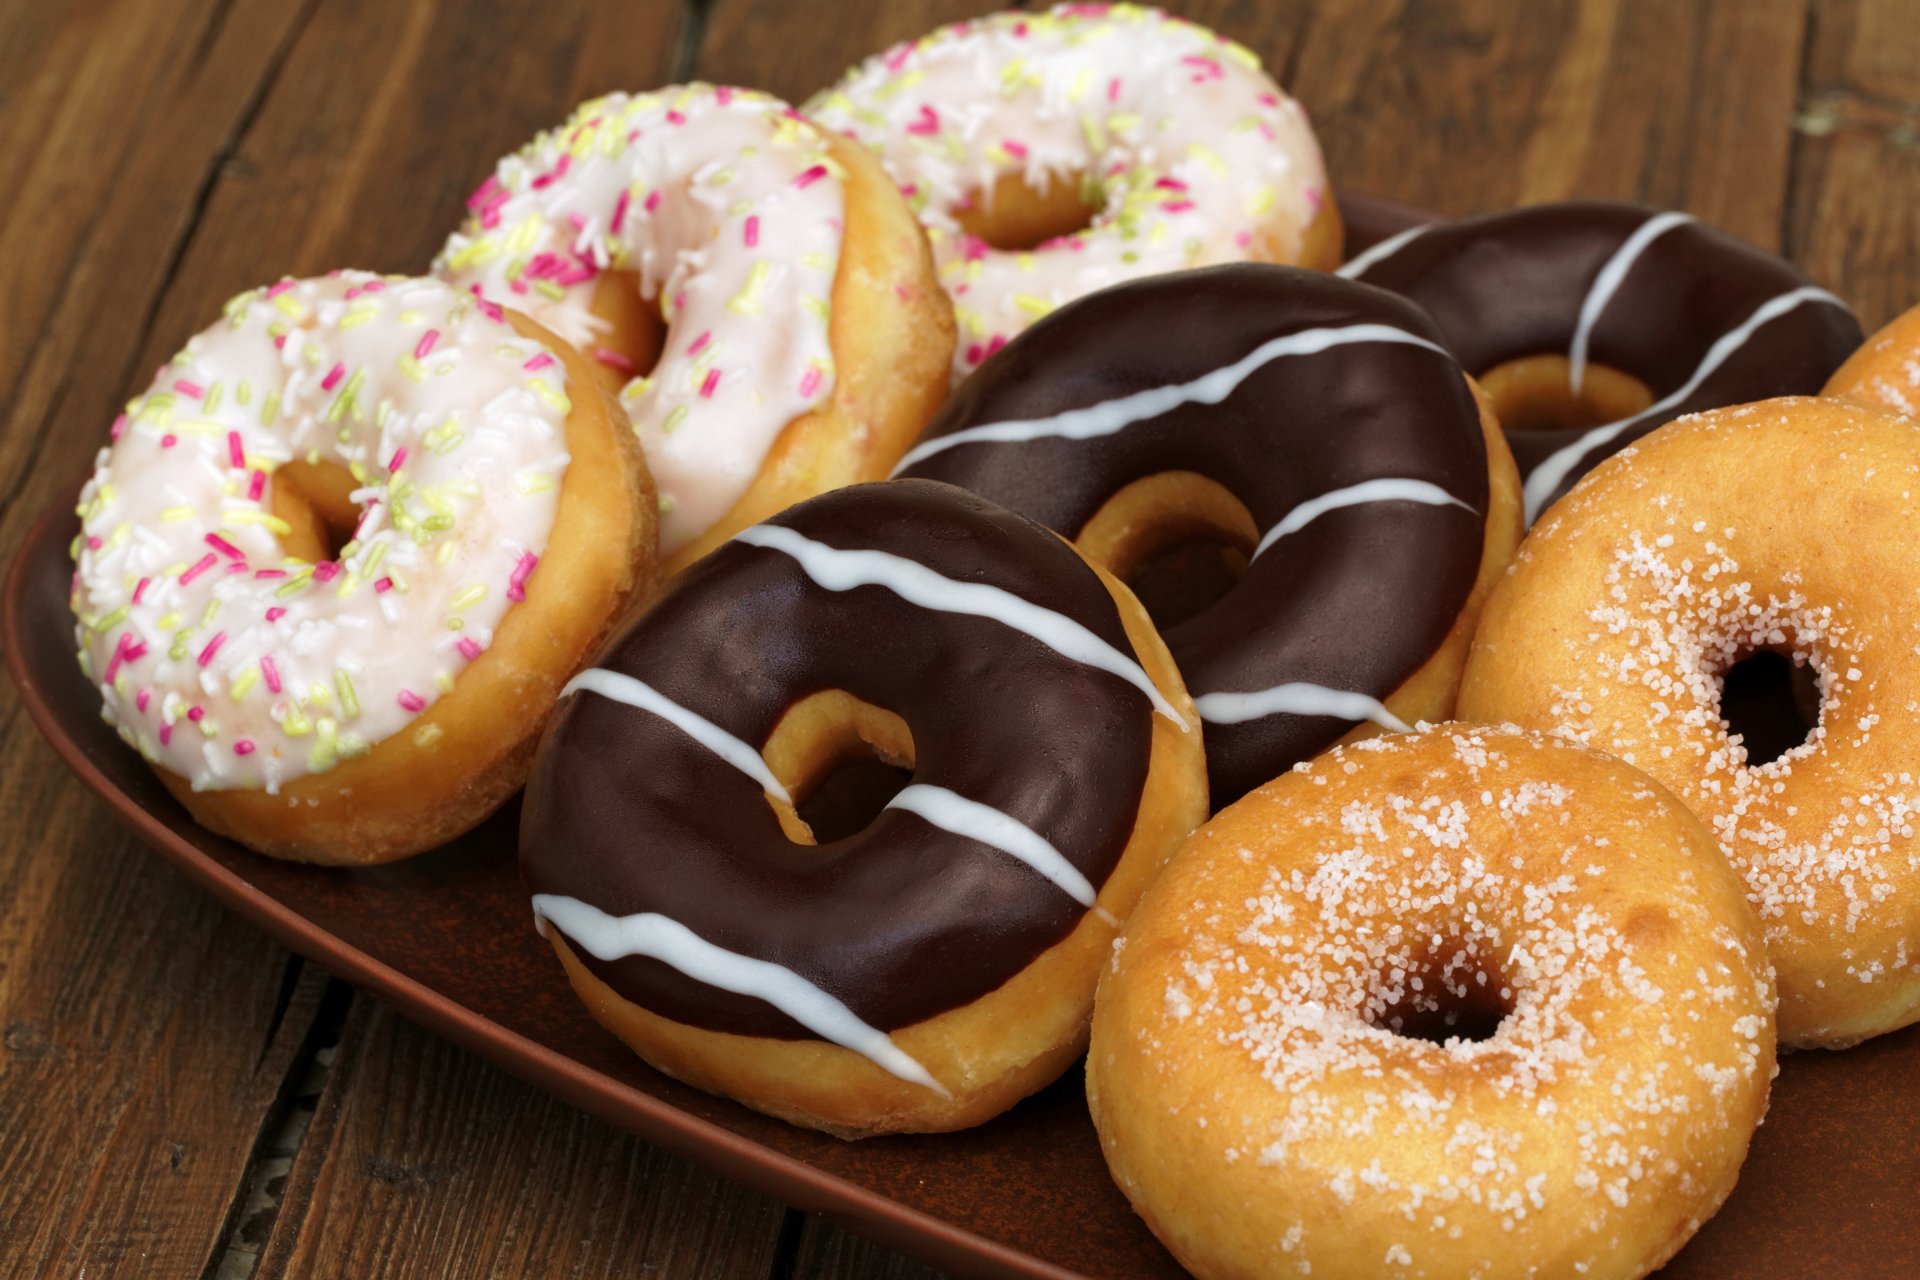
(448, 938)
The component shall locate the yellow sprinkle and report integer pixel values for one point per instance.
(248, 678)
(467, 599)
(534, 482)
(444, 555)
(444, 680)
(289, 308)
(1209, 157)
(1263, 197)
(1032, 305)
(427, 734)
(548, 289)
(295, 724)
(271, 409)
(410, 316)
(357, 317)
(320, 695)
(349, 701)
(241, 515)
(169, 622)
(243, 393)
(747, 301)
(675, 416)
(174, 515)
(553, 399)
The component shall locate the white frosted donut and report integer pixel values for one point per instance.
(1185, 150)
(403, 405)
(732, 213)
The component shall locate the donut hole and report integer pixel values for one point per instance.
(1179, 540)
(1770, 700)
(1448, 992)
(1536, 393)
(635, 332)
(841, 760)
(1012, 215)
(315, 498)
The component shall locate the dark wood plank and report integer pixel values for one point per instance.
(825, 1252)
(1855, 216)
(423, 1161)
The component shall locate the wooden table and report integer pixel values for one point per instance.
(180, 1097)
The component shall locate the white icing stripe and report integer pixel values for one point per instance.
(838, 570)
(1547, 476)
(1361, 262)
(670, 942)
(1393, 489)
(624, 688)
(1109, 416)
(953, 812)
(1607, 282)
(1297, 698)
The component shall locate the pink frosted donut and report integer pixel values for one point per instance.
(1114, 140)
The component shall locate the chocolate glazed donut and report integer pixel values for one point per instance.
(660, 841)
(1354, 448)
(1692, 317)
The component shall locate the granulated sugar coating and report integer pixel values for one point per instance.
(1886, 368)
(1792, 526)
(1464, 1002)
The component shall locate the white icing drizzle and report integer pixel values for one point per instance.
(1109, 416)
(670, 942)
(1607, 282)
(634, 693)
(1360, 263)
(1296, 698)
(838, 570)
(952, 812)
(1386, 489)
(1554, 468)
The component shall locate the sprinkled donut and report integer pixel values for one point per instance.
(1790, 526)
(1593, 323)
(1312, 425)
(358, 704)
(1885, 370)
(930, 970)
(753, 287)
(1465, 1002)
(1049, 155)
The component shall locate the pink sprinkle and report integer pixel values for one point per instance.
(1170, 184)
(1243, 238)
(491, 310)
(373, 286)
(425, 345)
(199, 567)
(1269, 100)
(269, 573)
(95, 542)
(674, 117)
(999, 341)
(411, 701)
(898, 55)
(752, 231)
(1206, 68)
(119, 655)
(140, 589)
(712, 381)
(382, 585)
(1176, 206)
(271, 674)
(811, 176)
(237, 566)
(166, 734)
(398, 460)
(973, 248)
(141, 699)
(652, 201)
(1113, 89)
(1018, 150)
(577, 222)
(195, 713)
(213, 647)
(809, 382)
(554, 175)
(613, 359)
(517, 582)
(119, 427)
(280, 343)
(224, 547)
(469, 648)
(974, 353)
(722, 94)
(276, 613)
(235, 454)
(244, 747)
(699, 344)
(278, 288)
(619, 212)
(333, 377)
(169, 440)
(481, 192)
(929, 121)
(191, 390)
(256, 486)
(1315, 197)
(538, 363)
(326, 571)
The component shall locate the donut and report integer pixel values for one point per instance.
(1885, 370)
(752, 287)
(1592, 323)
(1465, 1002)
(1790, 527)
(342, 554)
(1049, 155)
(928, 970)
(1312, 426)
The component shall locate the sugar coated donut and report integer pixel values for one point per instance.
(355, 703)
(1886, 368)
(1313, 426)
(1593, 323)
(753, 287)
(1460, 1003)
(929, 970)
(1790, 526)
(1049, 155)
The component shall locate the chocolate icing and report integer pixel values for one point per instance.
(1510, 285)
(1356, 600)
(901, 921)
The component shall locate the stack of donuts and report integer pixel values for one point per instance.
(728, 450)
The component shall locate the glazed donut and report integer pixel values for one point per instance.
(1592, 323)
(1049, 155)
(752, 287)
(1464, 1002)
(359, 703)
(1312, 425)
(1885, 370)
(1791, 526)
(930, 970)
